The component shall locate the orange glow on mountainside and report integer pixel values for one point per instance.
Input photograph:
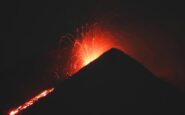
(31, 101)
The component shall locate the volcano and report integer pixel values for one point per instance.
(112, 84)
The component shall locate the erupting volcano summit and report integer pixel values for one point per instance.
(88, 44)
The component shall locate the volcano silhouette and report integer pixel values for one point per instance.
(113, 84)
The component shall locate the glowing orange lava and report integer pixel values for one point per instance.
(92, 42)
(31, 101)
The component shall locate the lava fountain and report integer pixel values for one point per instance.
(89, 43)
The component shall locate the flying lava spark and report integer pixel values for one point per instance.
(90, 42)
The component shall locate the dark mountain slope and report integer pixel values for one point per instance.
(112, 84)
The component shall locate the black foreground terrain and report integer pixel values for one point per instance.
(114, 84)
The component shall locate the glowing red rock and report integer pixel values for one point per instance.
(31, 101)
(92, 42)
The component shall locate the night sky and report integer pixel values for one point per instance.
(152, 32)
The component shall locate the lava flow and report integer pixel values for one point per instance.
(31, 101)
(91, 42)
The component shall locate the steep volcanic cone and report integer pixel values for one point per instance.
(113, 83)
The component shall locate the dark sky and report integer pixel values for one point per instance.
(152, 32)
(155, 30)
